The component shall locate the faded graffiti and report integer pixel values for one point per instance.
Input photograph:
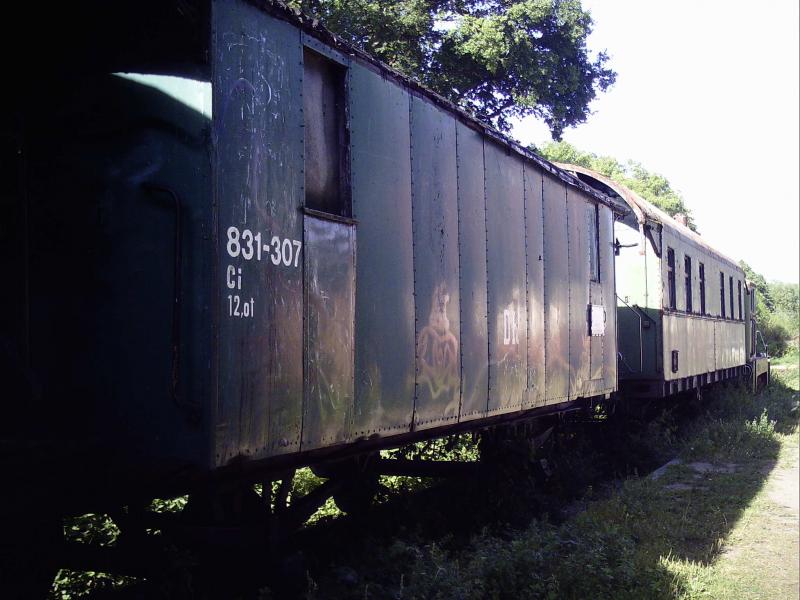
(510, 325)
(437, 350)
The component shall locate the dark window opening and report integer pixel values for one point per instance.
(671, 277)
(730, 289)
(739, 289)
(327, 160)
(687, 267)
(702, 288)
(722, 294)
(593, 226)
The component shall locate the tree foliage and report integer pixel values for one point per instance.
(499, 59)
(651, 186)
(777, 310)
(761, 286)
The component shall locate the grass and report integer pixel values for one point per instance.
(702, 531)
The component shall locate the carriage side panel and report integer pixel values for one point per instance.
(535, 285)
(556, 290)
(505, 226)
(435, 213)
(381, 192)
(472, 287)
(579, 340)
(258, 189)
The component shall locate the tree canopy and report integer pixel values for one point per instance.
(499, 59)
(651, 186)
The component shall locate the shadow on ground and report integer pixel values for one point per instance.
(593, 529)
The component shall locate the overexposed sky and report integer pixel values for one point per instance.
(706, 95)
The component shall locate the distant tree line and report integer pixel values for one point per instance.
(777, 311)
(653, 187)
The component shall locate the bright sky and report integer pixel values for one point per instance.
(706, 95)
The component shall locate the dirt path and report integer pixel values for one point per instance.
(761, 559)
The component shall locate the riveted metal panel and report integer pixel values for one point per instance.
(381, 180)
(535, 273)
(694, 339)
(329, 324)
(579, 342)
(598, 323)
(597, 312)
(258, 189)
(556, 289)
(704, 330)
(508, 328)
(472, 289)
(435, 213)
(608, 300)
(729, 339)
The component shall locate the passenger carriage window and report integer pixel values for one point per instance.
(327, 162)
(702, 288)
(687, 267)
(722, 294)
(730, 289)
(671, 277)
(593, 227)
(739, 289)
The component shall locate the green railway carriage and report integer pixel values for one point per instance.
(286, 250)
(685, 311)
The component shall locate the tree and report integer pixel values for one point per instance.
(786, 297)
(652, 187)
(499, 59)
(760, 284)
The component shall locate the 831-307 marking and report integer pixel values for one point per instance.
(249, 245)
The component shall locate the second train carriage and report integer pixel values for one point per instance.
(686, 313)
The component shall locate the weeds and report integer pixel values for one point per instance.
(646, 540)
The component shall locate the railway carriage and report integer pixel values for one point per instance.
(686, 313)
(241, 242)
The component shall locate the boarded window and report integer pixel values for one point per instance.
(730, 290)
(722, 294)
(327, 168)
(593, 227)
(687, 267)
(671, 278)
(702, 288)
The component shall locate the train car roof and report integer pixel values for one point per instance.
(646, 212)
(315, 29)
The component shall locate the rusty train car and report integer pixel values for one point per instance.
(239, 245)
